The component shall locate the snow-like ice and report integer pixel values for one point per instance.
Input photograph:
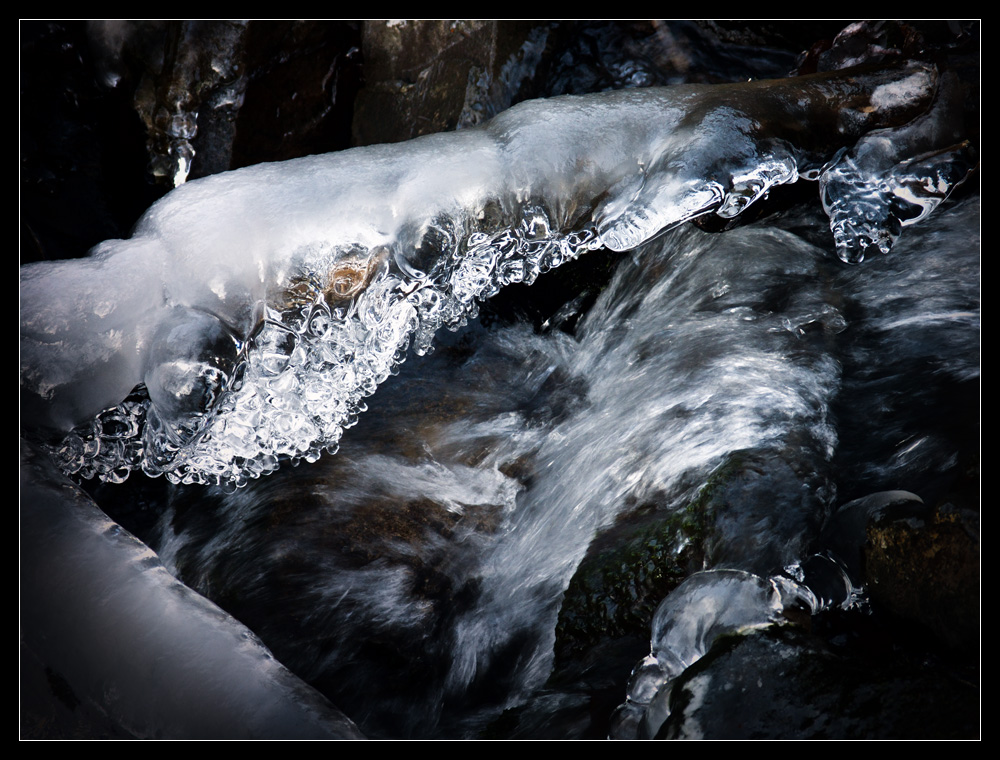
(260, 306)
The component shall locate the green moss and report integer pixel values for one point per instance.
(616, 589)
(615, 593)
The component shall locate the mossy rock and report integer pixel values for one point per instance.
(924, 569)
(626, 574)
(633, 565)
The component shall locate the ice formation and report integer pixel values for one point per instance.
(894, 178)
(251, 313)
(135, 644)
(259, 307)
(707, 606)
(715, 603)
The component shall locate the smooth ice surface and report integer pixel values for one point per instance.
(259, 307)
(704, 608)
(157, 659)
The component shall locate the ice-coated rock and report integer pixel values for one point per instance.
(893, 178)
(317, 273)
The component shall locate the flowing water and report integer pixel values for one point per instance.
(417, 576)
(411, 556)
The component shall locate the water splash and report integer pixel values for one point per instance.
(508, 451)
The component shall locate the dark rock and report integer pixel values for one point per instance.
(302, 79)
(923, 567)
(739, 504)
(421, 75)
(781, 683)
(845, 534)
(625, 576)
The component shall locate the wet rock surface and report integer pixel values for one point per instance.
(627, 572)
(784, 683)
